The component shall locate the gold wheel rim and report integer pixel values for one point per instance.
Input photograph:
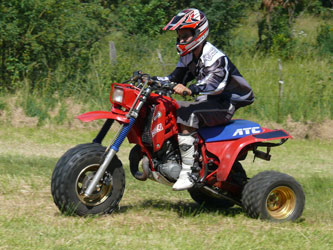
(102, 192)
(281, 202)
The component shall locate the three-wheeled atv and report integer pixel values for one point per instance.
(90, 179)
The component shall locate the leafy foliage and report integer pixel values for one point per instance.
(325, 39)
(275, 28)
(150, 16)
(223, 17)
(319, 6)
(52, 43)
(143, 17)
(37, 35)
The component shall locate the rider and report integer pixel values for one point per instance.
(223, 89)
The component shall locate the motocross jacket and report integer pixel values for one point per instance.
(216, 76)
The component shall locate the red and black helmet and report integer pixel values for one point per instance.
(189, 19)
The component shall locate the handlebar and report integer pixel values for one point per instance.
(163, 87)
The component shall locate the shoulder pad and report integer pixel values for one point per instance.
(210, 54)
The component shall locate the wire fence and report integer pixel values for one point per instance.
(300, 92)
(279, 96)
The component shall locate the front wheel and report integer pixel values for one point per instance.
(273, 196)
(72, 175)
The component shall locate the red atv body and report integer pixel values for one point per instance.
(148, 118)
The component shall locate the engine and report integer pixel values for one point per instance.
(168, 160)
(170, 170)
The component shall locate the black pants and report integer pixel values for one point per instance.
(206, 113)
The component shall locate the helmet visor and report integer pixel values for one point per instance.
(175, 22)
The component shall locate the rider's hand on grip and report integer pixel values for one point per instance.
(180, 89)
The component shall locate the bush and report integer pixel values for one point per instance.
(51, 44)
(143, 17)
(37, 35)
(223, 17)
(318, 6)
(275, 32)
(325, 39)
(150, 16)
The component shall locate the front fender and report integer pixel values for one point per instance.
(227, 151)
(96, 115)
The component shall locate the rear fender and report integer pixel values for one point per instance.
(227, 151)
(97, 115)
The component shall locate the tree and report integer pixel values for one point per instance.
(223, 17)
(275, 27)
(150, 16)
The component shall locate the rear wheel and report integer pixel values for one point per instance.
(273, 196)
(72, 175)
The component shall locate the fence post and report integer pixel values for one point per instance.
(113, 52)
(281, 83)
(161, 61)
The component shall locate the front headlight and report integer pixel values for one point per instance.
(118, 95)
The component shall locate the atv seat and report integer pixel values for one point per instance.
(234, 130)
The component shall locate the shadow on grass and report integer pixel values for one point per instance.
(183, 209)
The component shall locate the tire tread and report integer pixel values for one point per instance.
(254, 192)
(62, 195)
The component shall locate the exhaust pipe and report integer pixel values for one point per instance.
(135, 158)
(219, 195)
(145, 167)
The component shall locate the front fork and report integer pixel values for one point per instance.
(120, 137)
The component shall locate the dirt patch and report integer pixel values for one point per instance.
(15, 116)
(325, 130)
(73, 110)
(307, 130)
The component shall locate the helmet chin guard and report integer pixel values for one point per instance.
(189, 19)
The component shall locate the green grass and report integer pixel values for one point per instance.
(308, 78)
(152, 216)
(307, 90)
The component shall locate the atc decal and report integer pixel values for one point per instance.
(247, 131)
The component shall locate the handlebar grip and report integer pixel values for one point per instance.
(136, 75)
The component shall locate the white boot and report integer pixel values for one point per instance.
(186, 147)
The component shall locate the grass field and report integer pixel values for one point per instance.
(152, 216)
